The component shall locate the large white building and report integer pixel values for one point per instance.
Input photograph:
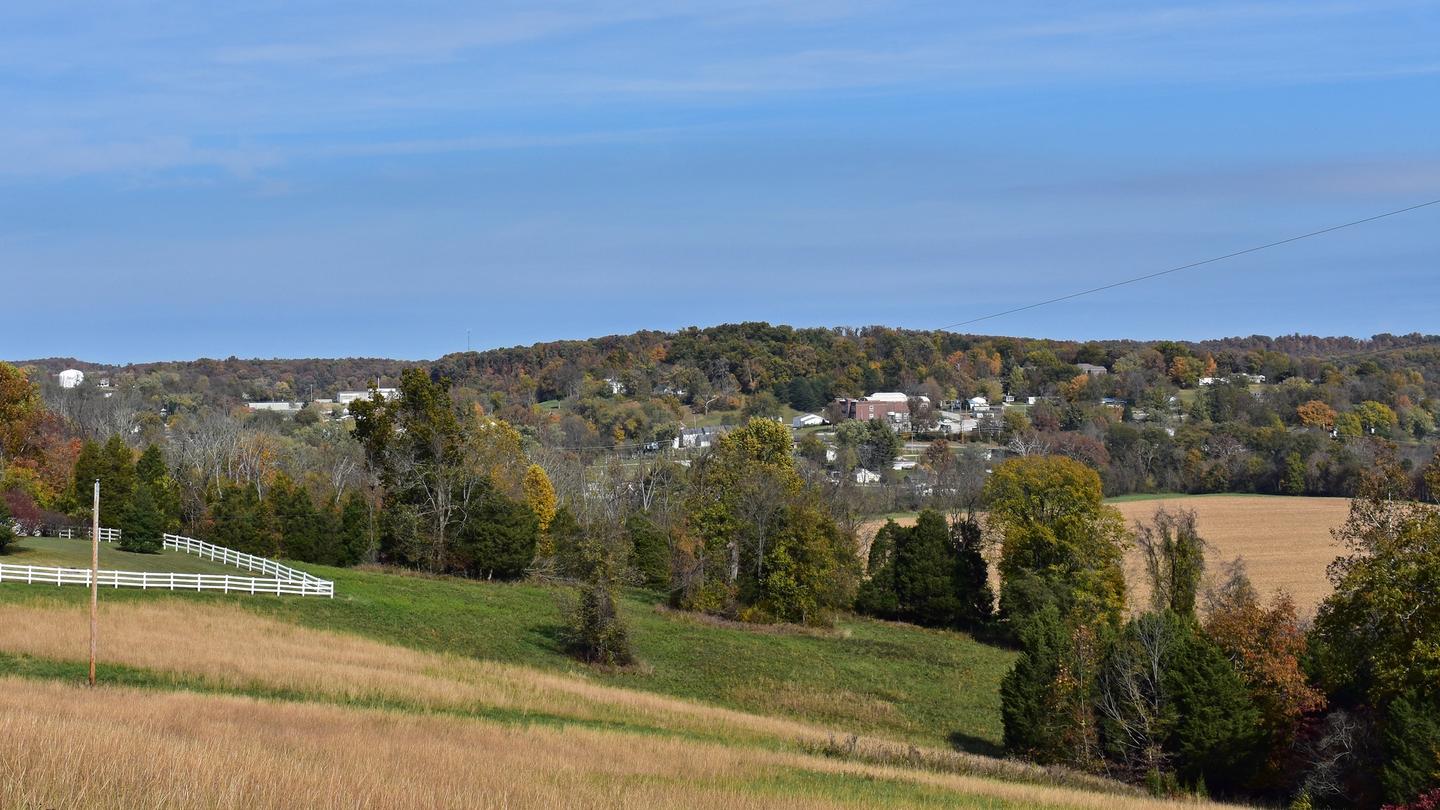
(278, 407)
(71, 377)
(347, 397)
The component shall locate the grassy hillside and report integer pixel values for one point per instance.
(61, 553)
(897, 681)
(210, 705)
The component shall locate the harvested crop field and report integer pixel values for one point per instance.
(1286, 542)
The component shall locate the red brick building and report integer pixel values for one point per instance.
(876, 406)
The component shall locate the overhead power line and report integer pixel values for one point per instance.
(1122, 283)
(1190, 266)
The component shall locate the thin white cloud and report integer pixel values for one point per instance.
(1148, 21)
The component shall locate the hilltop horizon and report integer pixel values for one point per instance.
(1417, 337)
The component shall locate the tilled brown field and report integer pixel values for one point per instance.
(1285, 542)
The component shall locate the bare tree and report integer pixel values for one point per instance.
(1132, 695)
(1174, 559)
(1028, 444)
(1333, 754)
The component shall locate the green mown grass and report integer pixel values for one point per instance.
(906, 683)
(58, 552)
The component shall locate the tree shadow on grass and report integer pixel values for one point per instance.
(549, 637)
(971, 744)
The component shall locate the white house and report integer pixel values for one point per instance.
(808, 420)
(71, 377)
(698, 438)
(980, 404)
(864, 476)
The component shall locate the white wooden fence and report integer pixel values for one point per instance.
(282, 580)
(239, 559)
(106, 535)
(39, 575)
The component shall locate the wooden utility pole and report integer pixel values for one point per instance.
(94, 578)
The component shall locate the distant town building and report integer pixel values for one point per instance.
(71, 377)
(807, 420)
(864, 476)
(978, 404)
(887, 405)
(276, 407)
(698, 438)
(1249, 378)
(1092, 369)
(347, 397)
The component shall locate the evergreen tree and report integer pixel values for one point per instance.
(876, 596)
(303, 533)
(144, 524)
(117, 482)
(354, 530)
(7, 531)
(151, 469)
(595, 632)
(566, 536)
(1412, 746)
(972, 577)
(240, 521)
(649, 551)
(1217, 738)
(498, 539)
(924, 573)
(928, 574)
(89, 465)
(1027, 707)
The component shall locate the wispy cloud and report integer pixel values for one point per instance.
(130, 94)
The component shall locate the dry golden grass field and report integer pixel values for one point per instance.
(1284, 541)
(242, 711)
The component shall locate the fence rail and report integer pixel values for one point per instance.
(40, 575)
(280, 579)
(106, 535)
(239, 559)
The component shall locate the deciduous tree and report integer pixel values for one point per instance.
(1050, 515)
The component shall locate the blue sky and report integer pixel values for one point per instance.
(323, 179)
